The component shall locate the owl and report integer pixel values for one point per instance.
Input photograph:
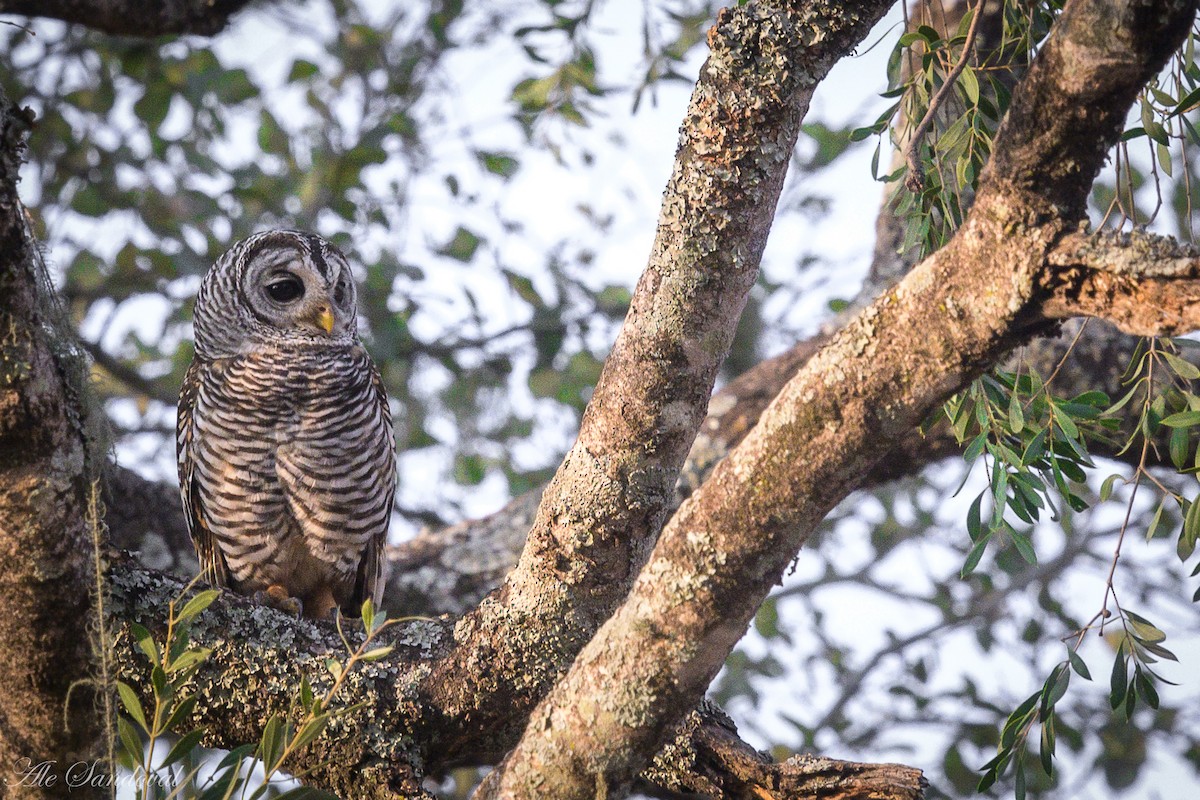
(284, 437)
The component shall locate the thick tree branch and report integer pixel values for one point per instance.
(372, 753)
(146, 18)
(51, 691)
(1144, 284)
(604, 508)
(865, 391)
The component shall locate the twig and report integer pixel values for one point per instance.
(128, 375)
(915, 181)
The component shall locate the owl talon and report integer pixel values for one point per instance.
(277, 597)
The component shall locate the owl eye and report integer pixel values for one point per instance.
(285, 290)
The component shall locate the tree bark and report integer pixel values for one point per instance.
(142, 18)
(858, 397)
(52, 688)
(464, 690)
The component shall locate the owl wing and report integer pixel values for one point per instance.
(369, 583)
(212, 561)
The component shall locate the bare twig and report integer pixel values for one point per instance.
(915, 181)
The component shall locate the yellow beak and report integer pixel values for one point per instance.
(325, 319)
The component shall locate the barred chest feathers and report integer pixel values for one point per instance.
(284, 436)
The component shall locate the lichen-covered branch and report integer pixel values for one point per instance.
(146, 18)
(851, 402)
(52, 688)
(602, 512)
(259, 655)
(707, 758)
(1144, 284)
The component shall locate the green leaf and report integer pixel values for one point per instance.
(974, 556)
(1178, 446)
(1047, 744)
(184, 747)
(133, 706)
(500, 164)
(1077, 664)
(1119, 680)
(523, 287)
(236, 756)
(1164, 159)
(188, 659)
(970, 85)
(462, 245)
(368, 616)
(1182, 419)
(1067, 425)
(1153, 526)
(1107, 486)
(1143, 629)
(145, 641)
(975, 448)
(311, 730)
(1054, 688)
(183, 710)
(1146, 688)
(302, 70)
(273, 742)
(1016, 418)
(974, 522)
(196, 605)
(377, 653)
(1024, 546)
(130, 741)
(1191, 531)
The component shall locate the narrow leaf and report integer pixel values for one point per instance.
(197, 604)
(133, 706)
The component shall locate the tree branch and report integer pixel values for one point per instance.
(848, 405)
(373, 753)
(146, 18)
(604, 508)
(52, 695)
(707, 758)
(1144, 284)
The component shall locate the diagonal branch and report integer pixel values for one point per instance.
(971, 302)
(602, 512)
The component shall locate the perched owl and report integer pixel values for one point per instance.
(284, 436)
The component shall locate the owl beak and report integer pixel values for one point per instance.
(324, 318)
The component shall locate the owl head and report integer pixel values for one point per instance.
(275, 288)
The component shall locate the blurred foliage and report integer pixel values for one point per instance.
(151, 157)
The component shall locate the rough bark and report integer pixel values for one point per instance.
(49, 687)
(1142, 283)
(372, 753)
(604, 508)
(860, 395)
(713, 761)
(466, 689)
(142, 18)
